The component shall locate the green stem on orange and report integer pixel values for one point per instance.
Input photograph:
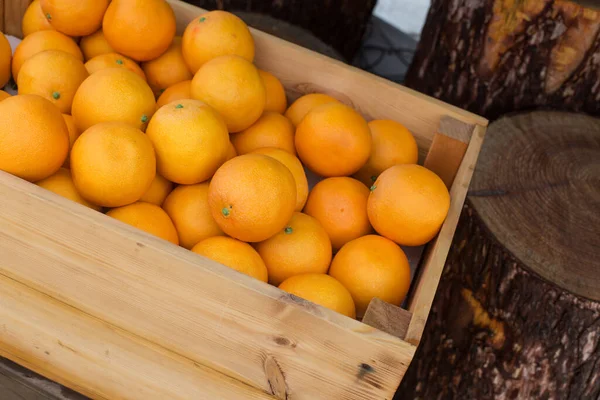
(288, 230)
(225, 212)
(56, 95)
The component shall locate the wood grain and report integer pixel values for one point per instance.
(304, 71)
(432, 264)
(387, 318)
(213, 315)
(13, 15)
(537, 187)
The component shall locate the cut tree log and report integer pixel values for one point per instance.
(493, 57)
(339, 23)
(517, 312)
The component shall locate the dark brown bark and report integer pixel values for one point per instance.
(499, 329)
(493, 57)
(339, 23)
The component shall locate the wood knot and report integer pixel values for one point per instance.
(307, 305)
(284, 342)
(275, 378)
(366, 373)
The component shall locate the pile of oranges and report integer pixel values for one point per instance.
(186, 139)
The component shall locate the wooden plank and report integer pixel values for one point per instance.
(423, 292)
(304, 71)
(13, 15)
(445, 156)
(97, 359)
(190, 305)
(387, 318)
(2, 6)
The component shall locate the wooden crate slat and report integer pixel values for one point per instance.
(190, 305)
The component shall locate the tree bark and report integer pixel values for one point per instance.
(339, 23)
(517, 313)
(493, 57)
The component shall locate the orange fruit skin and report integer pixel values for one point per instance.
(95, 45)
(372, 266)
(61, 183)
(323, 290)
(34, 137)
(168, 69)
(333, 140)
(75, 17)
(5, 60)
(252, 197)
(179, 91)
(73, 135)
(113, 60)
(340, 205)
(158, 191)
(276, 99)
(392, 144)
(408, 204)
(4, 95)
(271, 130)
(214, 34)
(113, 95)
(142, 30)
(232, 86)
(148, 217)
(40, 41)
(187, 205)
(304, 104)
(234, 254)
(190, 139)
(113, 164)
(301, 247)
(295, 166)
(53, 75)
(34, 19)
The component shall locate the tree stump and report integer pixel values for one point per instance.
(517, 313)
(339, 23)
(493, 57)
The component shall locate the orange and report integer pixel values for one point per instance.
(304, 104)
(148, 217)
(276, 100)
(234, 254)
(252, 197)
(95, 45)
(73, 135)
(34, 19)
(113, 94)
(75, 17)
(408, 204)
(190, 139)
(4, 95)
(33, 136)
(232, 86)
(231, 153)
(168, 69)
(113, 60)
(179, 91)
(158, 191)
(214, 34)
(271, 130)
(113, 164)
(392, 144)
(142, 30)
(295, 167)
(40, 41)
(333, 140)
(54, 75)
(61, 183)
(340, 205)
(323, 290)
(5, 60)
(301, 247)
(187, 205)
(372, 266)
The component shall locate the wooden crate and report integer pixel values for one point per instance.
(113, 312)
